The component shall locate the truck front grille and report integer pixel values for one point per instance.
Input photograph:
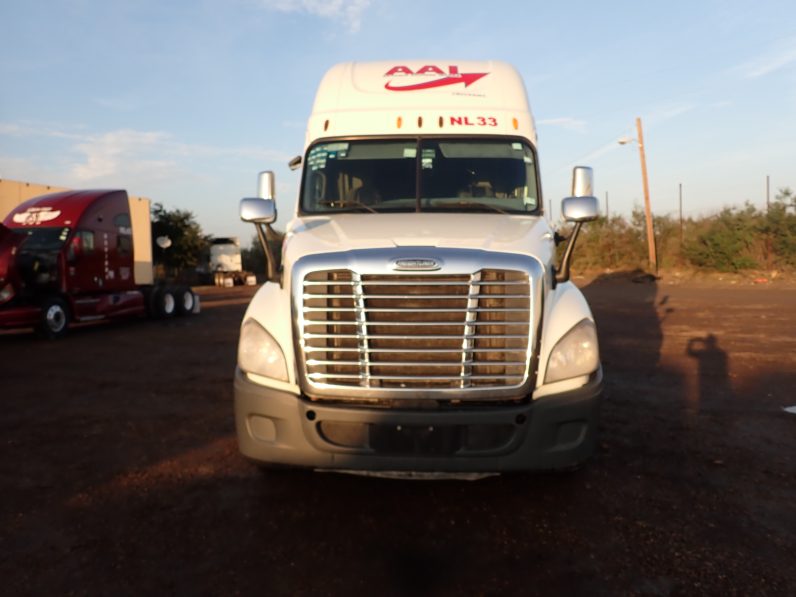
(417, 331)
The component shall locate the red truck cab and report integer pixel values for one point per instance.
(82, 256)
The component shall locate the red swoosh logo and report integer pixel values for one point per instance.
(466, 78)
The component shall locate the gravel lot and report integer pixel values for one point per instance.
(120, 473)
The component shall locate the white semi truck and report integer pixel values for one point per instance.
(225, 263)
(415, 318)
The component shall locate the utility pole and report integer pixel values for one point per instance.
(681, 214)
(768, 203)
(550, 203)
(653, 258)
(607, 212)
(769, 250)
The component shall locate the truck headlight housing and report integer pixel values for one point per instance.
(259, 353)
(6, 293)
(575, 354)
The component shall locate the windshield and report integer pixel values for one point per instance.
(41, 239)
(444, 174)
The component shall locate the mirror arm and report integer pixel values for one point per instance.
(266, 233)
(563, 270)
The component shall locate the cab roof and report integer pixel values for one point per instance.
(56, 209)
(413, 97)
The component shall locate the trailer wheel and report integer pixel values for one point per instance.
(186, 300)
(54, 319)
(165, 303)
(149, 302)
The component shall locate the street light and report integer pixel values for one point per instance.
(653, 258)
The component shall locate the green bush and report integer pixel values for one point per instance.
(612, 243)
(732, 240)
(726, 242)
(780, 228)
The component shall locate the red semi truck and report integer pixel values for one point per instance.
(81, 256)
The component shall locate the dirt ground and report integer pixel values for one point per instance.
(120, 473)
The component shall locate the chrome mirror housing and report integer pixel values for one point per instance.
(258, 210)
(582, 181)
(580, 209)
(582, 206)
(266, 182)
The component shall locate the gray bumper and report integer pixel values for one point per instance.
(549, 433)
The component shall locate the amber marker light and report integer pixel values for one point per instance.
(400, 122)
(516, 123)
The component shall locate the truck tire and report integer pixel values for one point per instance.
(186, 300)
(54, 319)
(150, 293)
(165, 303)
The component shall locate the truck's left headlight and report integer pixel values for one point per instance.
(575, 354)
(259, 353)
(6, 293)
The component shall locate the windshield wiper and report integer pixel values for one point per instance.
(347, 205)
(468, 204)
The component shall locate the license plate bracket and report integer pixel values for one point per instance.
(416, 440)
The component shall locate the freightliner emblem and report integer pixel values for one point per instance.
(424, 264)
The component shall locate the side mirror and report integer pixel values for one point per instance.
(266, 182)
(582, 181)
(580, 209)
(582, 206)
(257, 210)
(261, 211)
(164, 242)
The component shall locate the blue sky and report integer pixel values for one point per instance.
(184, 102)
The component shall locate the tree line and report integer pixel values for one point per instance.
(734, 239)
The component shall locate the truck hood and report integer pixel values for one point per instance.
(528, 235)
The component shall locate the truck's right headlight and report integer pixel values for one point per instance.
(259, 353)
(575, 354)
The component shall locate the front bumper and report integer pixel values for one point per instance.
(549, 433)
(13, 316)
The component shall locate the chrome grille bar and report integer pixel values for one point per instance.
(356, 376)
(413, 324)
(413, 283)
(313, 362)
(311, 349)
(406, 310)
(414, 296)
(415, 337)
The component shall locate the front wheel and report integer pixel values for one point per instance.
(54, 318)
